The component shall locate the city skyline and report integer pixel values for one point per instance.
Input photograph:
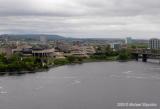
(82, 19)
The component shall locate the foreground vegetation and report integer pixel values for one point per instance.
(18, 63)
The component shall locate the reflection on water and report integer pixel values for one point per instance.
(99, 85)
(133, 75)
(3, 92)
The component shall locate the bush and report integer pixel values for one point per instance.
(3, 67)
(124, 55)
(61, 61)
(99, 57)
(3, 59)
(75, 59)
(71, 59)
(18, 63)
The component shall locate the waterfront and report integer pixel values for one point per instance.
(97, 85)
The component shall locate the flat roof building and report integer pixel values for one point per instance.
(128, 40)
(154, 43)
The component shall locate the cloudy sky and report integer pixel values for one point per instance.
(82, 18)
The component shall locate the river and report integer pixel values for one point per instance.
(97, 85)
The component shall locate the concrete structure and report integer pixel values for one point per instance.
(154, 43)
(89, 50)
(24, 49)
(59, 55)
(78, 51)
(25, 46)
(43, 53)
(63, 47)
(128, 40)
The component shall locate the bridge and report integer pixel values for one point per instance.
(146, 54)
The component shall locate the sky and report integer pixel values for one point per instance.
(81, 18)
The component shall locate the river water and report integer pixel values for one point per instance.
(98, 85)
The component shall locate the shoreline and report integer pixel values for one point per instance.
(54, 66)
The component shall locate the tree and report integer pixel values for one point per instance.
(71, 59)
(3, 59)
(60, 61)
(124, 55)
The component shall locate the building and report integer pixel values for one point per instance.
(116, 46)
(154, 43)
(78, 51)
(59, 55)
(77, 43)
(43, 52)
(6, 50)
(128, 40)
(43, 39)
(25, 49)
(89, 50)
(63, 47)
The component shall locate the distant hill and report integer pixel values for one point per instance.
(36, 37)
(31, 36)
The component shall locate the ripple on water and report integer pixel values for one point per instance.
(55, 77)
(128, 72)
(136, 77)
(76, 82)
(3, 92)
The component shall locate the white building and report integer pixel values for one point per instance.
(43, 39)
(116, 46)
(154, 43)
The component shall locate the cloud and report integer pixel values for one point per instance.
(64, 8)
(81, 18)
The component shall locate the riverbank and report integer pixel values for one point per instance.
(57, 63)
(17, 64)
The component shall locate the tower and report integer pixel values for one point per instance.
(43, 39)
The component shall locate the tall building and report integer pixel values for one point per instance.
(154, 43)
(116, 46)
(43, 39)
(128, 40)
